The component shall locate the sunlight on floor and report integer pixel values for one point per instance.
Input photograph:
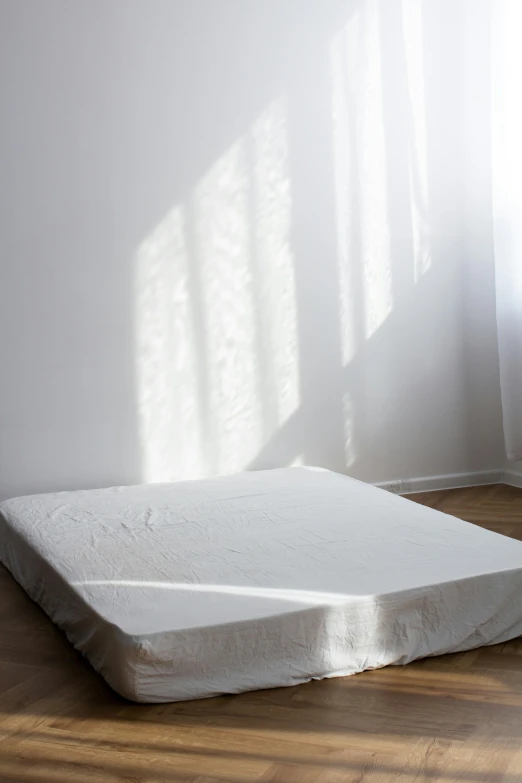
(361, 180)
(216, 314)
(418, 170)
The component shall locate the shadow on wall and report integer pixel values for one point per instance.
(243, 264)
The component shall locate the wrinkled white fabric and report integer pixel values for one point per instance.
(185, 590)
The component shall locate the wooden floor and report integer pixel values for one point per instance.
(455, 718)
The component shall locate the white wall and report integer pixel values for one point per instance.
(485, 412)
(513, 473)
(485, 440)
(232, 236)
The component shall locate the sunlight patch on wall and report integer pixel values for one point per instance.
(364, 58)
(167, 382)
(216, 314)
(418, 168)
(222, 232)
(362, 210)
(350, 451)
(345, 219)
(273, 205)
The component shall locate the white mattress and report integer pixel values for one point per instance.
(180, 591)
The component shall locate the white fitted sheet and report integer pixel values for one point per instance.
(186, 590)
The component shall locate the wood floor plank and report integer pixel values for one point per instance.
(453, 718)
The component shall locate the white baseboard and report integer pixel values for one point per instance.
(451, 481)
(512, 478)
